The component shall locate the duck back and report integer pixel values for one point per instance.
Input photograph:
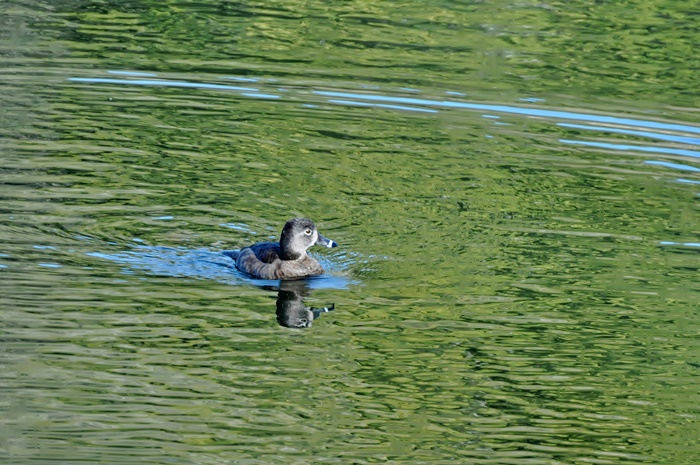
(264, 260)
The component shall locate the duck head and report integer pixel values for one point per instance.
(298, 235)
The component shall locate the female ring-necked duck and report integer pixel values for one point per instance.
(286, 259)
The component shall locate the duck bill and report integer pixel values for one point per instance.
(325, 242)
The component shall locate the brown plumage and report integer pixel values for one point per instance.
(286, 259)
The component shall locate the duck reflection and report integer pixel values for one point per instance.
(291, 310)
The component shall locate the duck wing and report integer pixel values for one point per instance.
(267, 252)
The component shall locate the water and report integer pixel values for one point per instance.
(514, 190)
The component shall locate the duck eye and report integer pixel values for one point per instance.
(308, 232)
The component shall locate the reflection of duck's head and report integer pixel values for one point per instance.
(292, 313)
(286, 259)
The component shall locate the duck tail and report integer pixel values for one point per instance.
(232, 253)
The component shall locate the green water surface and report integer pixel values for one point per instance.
(513, 185)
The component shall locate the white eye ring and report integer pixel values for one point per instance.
(308, 232)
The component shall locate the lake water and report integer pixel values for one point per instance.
(513, 185)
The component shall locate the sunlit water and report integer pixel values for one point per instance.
(514, 189)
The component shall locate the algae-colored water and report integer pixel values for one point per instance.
(514, 188)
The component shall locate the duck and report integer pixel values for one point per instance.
(286, 259)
